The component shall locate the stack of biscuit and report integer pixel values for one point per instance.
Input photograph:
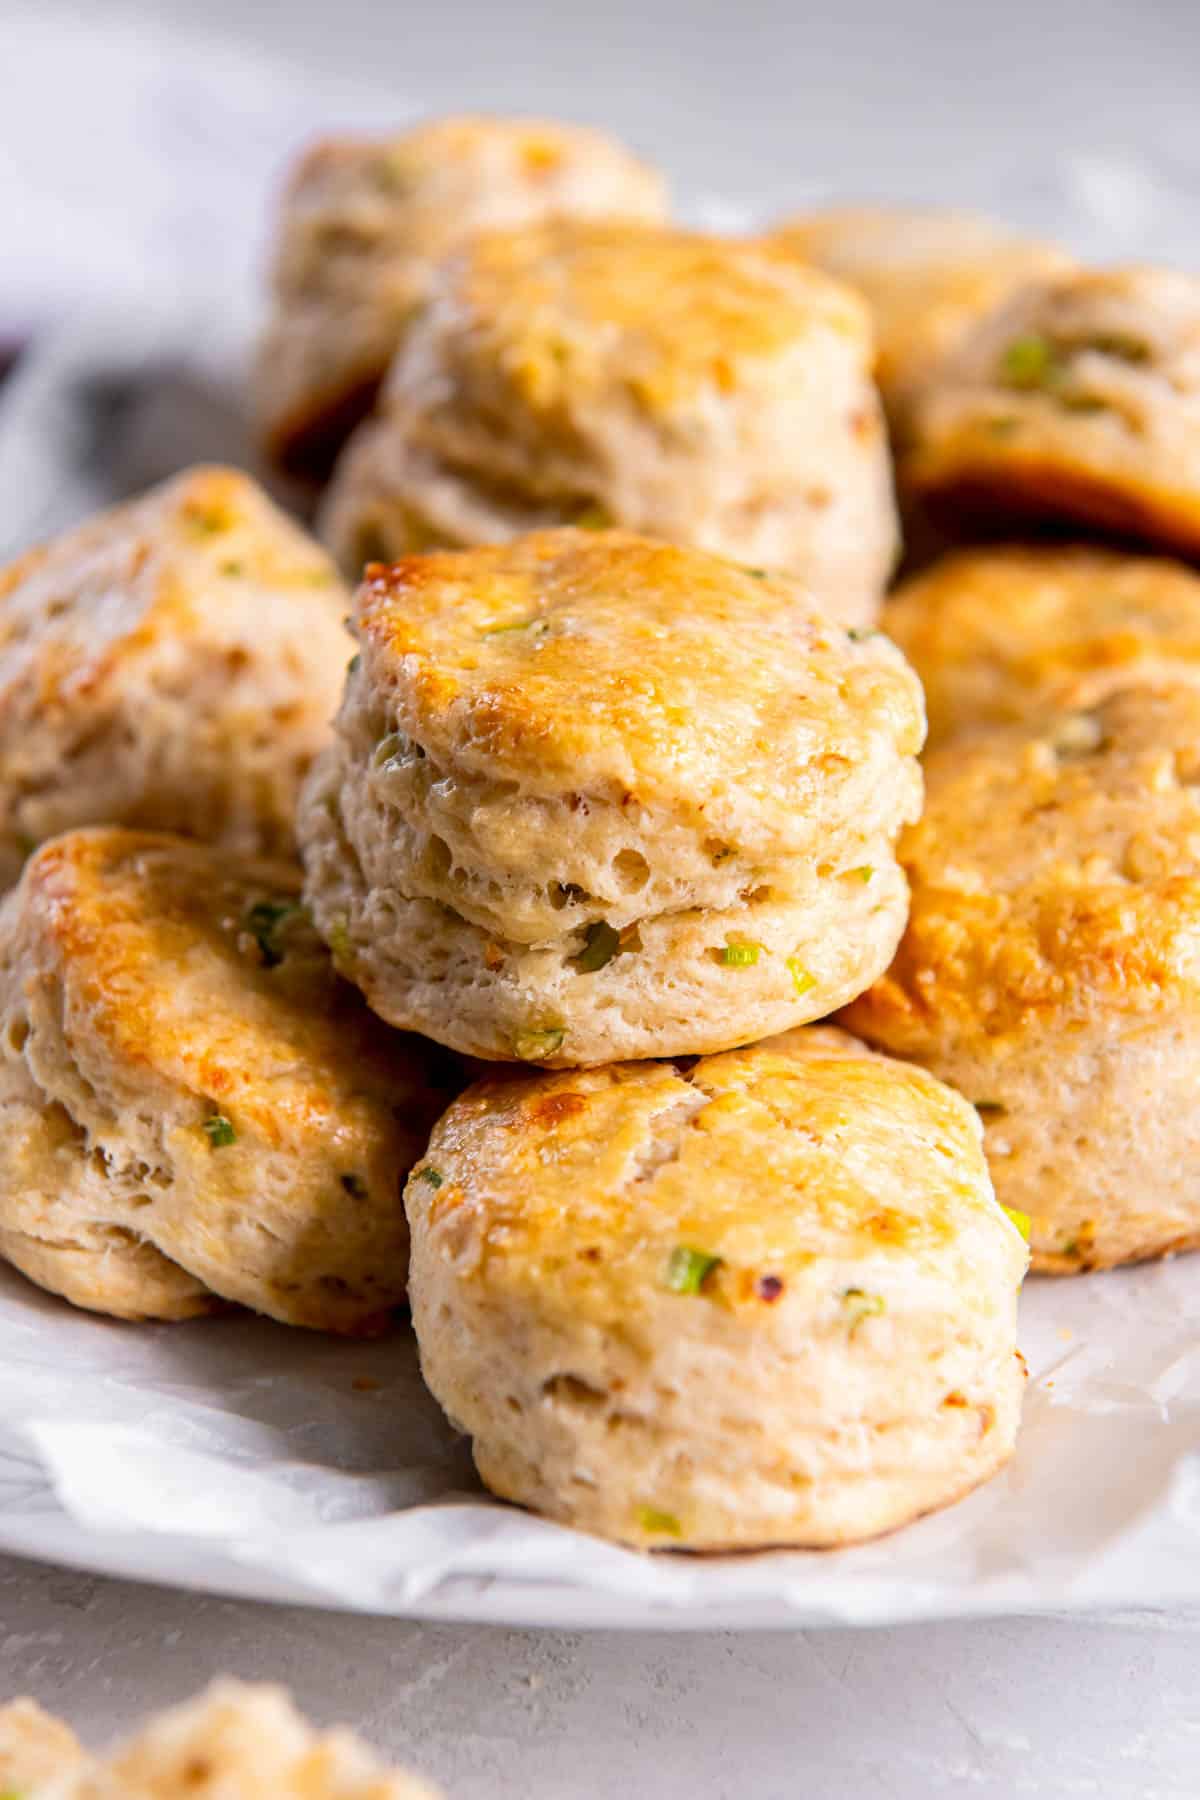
(622, 804)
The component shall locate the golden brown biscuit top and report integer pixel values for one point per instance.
(202, 971)
(405, 166)
(736, 1180)
(1056, 868)
(924, 272)
(572, 656)
(565, 310)
(150, 576)
(997, 628)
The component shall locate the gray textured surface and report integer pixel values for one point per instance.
(995, 1711)
(1014, 107)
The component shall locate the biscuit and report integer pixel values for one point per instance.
(594, 796)
(1051, 967)
(362, 224)
(234, 1742)
(926, 273)
(1077, 400)
(765, 1299)
(34, 1749)
(996, 633)
(172, 663)
(194, 1108)
(705, 391)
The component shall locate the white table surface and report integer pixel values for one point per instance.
(1028, 108)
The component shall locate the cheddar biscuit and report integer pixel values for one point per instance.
(997, 633)
(234, 1742)
(1051, 967)
(705, 391)
(194, 1107)
(1077, 400)
(594, 796)
(363, 224)
(765, 1299)
(172, 663)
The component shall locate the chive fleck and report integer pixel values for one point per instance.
(803, 980)
(859, 634)
(738, 956)
(266, 922)
(537, 1042)
(1020, 1219)
(232, 568)
(688, 1269)
(433, 1176)
(986, 1107)
(658, 1524)
(354, 665)
(864, 872)
(1029, 362)
(338, 938)
(758, 574)
(602, 942)
(538, 628)
(219, 1131)
(593, 518)
(858, 1305)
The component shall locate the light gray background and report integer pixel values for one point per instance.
(1079, 115)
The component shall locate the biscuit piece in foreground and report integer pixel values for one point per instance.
(927, 274)
(593, 796)
(363, 224)
(172, 663)
(1051, 967)
(705, 391)
(234, 1742)
(1077, 400)
(192, 1105)
(768, 1299)
(1000, 633)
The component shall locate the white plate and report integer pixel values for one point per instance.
(236, 1457)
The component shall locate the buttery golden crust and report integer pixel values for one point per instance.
(627, 797)
(364, 222)
(234, 1742)
(926, 273)
(768, 1299)
(194, 1106)
(171, 663)
(1051, 965)
(996, 634)
(705, 391)
(1078, 399)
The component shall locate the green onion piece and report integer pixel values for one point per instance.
(858, 1305)
(859, 634)
(758, 574)
(864, 872)
(985, 1107)
(219, 1131)
(539, 628)
(688, 1270)
(232, 568)
(266, 921)
(602, 941)
(739, 956)
(1029, 362)
(538, 1042)
(593, 518)
(433, 1176)
(354, 665)
(1020, 1220)
(802, 979)
(338, 938)
(658, 1524)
